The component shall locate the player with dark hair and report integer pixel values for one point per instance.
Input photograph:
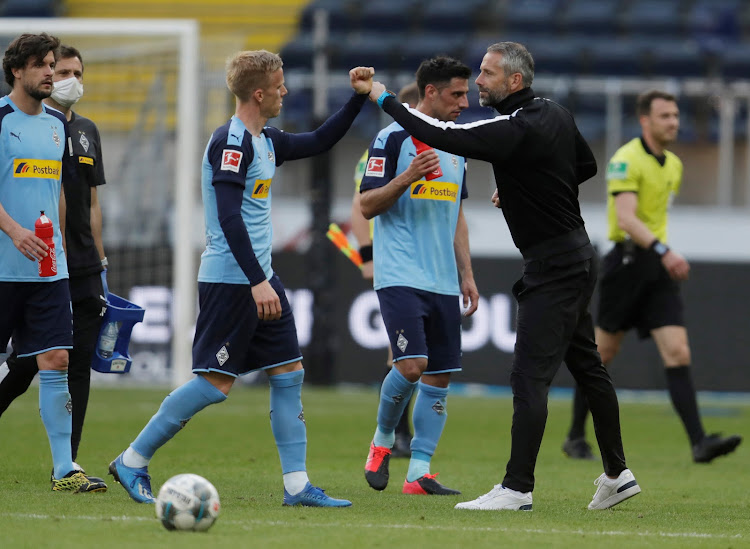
(37, 312)
(245, 322)
(83, 246)
(539, 158)
(639, 286)
(362, 229)
(421, 244)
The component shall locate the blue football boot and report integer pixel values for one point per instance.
(312, 496)
(136, 481)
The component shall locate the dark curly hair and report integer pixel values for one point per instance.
(25, 48)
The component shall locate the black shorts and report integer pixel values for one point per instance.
(635, 291)
(231, 339)
(38, 315)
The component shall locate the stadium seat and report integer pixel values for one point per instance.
(298, 54)
(591, 17)
(553, 56)
(735, 61)
(608, 57)
(450, 16)
(663, 18)
(343, 16)
(28, 8)
(532, 15)
(679, 58)
(390, 15)
(370, 49)
(718, 17)
(417, 48)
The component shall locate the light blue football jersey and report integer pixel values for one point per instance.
(34, 153)
(234, 155)
(413, 239)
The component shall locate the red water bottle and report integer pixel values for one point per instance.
(44, 229)
(421, 147)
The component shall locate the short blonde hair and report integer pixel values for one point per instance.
(249, 70)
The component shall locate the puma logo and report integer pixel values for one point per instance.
(17, 136)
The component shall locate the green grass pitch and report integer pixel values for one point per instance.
(682, 504)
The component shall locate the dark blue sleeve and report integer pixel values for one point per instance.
(292, 146)
(382, 161)
(228, 204)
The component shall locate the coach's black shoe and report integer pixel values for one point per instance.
(402, 446)
(713, 446)
(577, 448)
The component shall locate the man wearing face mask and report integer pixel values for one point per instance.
(84, 251)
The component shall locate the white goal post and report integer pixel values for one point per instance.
(186, 125)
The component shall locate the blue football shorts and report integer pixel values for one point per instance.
(423, 324)
(231, 339)
(37, 314)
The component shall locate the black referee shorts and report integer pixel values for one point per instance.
(635, 291)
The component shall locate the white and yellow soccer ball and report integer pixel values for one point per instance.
(187, 502)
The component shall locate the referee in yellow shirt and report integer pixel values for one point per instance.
(639, 282)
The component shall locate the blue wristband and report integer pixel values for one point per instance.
(383, 97)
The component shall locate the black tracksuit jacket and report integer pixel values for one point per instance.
(539, 158)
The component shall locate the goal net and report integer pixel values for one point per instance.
(144, 91)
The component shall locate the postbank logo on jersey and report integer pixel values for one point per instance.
(261, 188)
(41, 169)
(230, 160)
(434, 190)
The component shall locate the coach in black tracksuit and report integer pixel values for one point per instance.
(539, 159)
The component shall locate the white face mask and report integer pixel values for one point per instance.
(66, 93)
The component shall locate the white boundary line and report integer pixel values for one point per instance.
(248, 525)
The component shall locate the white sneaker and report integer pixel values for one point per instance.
(612, 491)
(499, 498)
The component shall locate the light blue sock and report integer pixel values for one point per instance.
(395, 393)
(430, 414)
(174, 412)
(288, 420)
(55, 408)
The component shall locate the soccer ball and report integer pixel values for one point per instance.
(187, 502)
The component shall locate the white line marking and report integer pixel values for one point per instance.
(247, 524)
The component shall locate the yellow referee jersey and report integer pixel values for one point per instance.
(634, 169)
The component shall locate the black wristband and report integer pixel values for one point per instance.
(365, 252)
(659, 247)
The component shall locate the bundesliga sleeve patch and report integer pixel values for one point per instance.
(230, 160)
(375, 167)
(617, 170)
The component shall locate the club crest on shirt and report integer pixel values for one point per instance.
(454, 161)
(270, 156)
(55, 137)
(375, 166)
(230, 160)
(84, 142)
